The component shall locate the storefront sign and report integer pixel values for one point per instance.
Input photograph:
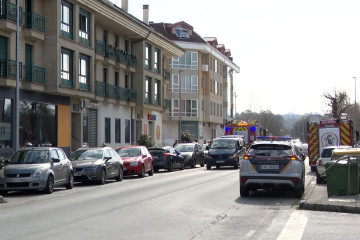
(151, 117)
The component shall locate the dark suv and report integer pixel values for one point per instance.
(272, 165)
(225, 152)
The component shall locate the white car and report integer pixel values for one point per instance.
(325, 157)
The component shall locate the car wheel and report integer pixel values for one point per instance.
(49, 185)
(151, 172)
(193, 164)
(208, 166)
(298, 192)
(156, 169)
(171, 168)
(70, 184)
(142, 174)
(120, 176)
(102, 179)
(218, 166)
(202, 164)
(244, 191)
(3, 193)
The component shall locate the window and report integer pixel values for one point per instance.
(84, 72)
(147, 90)
(84, 27)
(127, 81)
(157, 92)
(189, 108)
(191, 84)
(175, 83)
(182, 32)
(6, 124)
(157, 64)
(117, 130)
(188, 61)
(66, 73)
(215, 65)
(117, 82)
(107, 130)
(66, 20)
(216, 87)
(127, 131)
(147, 56)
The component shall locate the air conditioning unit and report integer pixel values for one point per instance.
(205, 68)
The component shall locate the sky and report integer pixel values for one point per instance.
(289, 52)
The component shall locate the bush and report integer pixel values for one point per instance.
(145, 140)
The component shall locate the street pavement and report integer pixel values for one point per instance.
(316, 199)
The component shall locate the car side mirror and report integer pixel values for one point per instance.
(55, 160)
(108, 158)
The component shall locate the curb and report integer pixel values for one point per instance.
(328, 207)
(2, 200)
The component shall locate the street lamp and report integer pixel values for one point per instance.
(355, 112)
(180, 106)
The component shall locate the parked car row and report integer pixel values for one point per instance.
(48, 167)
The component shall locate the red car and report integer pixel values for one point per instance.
(136, 160)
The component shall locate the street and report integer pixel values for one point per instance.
(189, 204)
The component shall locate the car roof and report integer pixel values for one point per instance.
(38, 148)
(273, 142)
(130, 146)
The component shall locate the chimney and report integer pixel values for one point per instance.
(124, 5)
(146, 14)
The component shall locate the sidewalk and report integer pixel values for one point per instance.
(316, 198)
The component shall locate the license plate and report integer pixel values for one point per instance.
(77, 174)
(268, 167)
(220, 161)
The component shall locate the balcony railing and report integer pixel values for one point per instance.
(8, 11)
(166, 74)
(111, 91)
(100, 47)
(66, 83)
(133, 61)
(8, 69)
(133, 95)
(123, 93)
(84, 86)
(34, 74)
(111, 52)
(35, 21)
(100, 89)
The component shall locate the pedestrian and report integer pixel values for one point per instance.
(175, 143)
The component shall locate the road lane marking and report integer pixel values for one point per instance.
(294, 227)
(250, 233)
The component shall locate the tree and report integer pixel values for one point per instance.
(145, 140)
(339, 103)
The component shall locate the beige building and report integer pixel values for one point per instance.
(90, 74)
(205, 76)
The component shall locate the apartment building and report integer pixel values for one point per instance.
(201, 86)
(90, 74)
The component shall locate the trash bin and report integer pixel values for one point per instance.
(337, 178)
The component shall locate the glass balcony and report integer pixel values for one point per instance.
(123, 93)
(100, 47)
(84, 86)
(35, 21)
(66, 83)
(8, 11)
(132, 95)
(34, 74)
(8, 69)
(100, 89)
(133, 60)
(111, 91)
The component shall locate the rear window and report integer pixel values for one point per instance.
(157, 151)
(326, 153)
(270, 150)
(223, 143)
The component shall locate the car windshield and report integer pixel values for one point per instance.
(30, 157)
(157, 151)
(87, 154)
(223, 143)
(270, 150)
(326, 153)
(129, 152)
(185, 148)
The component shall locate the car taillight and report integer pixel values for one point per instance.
(295, 181)
(292, 158)
(243, 179)
(246, 157)
(166, 154)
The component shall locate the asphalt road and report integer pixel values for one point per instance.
(189, 204)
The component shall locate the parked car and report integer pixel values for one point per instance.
(225, 152)
(36, 168)
(97, 164)
(137, 160)
(272, 165)
(325, 157)
(192, 153)
(166, 158)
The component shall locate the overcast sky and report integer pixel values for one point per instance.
(289, 52)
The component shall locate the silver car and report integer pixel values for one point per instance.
(36, 168)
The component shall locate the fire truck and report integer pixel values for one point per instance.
(327, 132)
(249, 130)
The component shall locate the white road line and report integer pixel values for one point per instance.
(250, 233)
(294, 227)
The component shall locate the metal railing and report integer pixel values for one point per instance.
(8, 69)
(34, 74)
(8, 11)
(35, 21)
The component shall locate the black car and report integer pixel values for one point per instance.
(97, 164)
(192, 152)
(166, 158)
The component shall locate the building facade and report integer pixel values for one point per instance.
(85, 75)
(201, 85)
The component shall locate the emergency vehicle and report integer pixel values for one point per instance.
(327, 132)
(249, 130)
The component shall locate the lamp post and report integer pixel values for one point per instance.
(180, 106)
(16, 144)
(355, 112)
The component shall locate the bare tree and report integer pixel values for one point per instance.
(338, 102)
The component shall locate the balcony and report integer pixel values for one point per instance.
(166, 74)
(34, 74)
(132, 95)
(133, 60)
(167, 103)
(111, 91)
(35, 21)
(111, 52)
(84, 86)
(100, 89)
(100, 47)
(8, 12)
(66, 83)
(8, 69)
